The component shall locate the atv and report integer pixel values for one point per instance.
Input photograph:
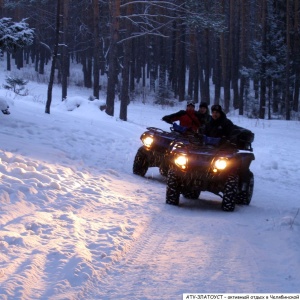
(214, 165)
(156, 148)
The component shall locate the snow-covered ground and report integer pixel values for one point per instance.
(75, 223)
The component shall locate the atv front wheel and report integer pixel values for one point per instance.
(244, 197)
(173, 188)
(230, 193)
(140, 164)
(164, 171)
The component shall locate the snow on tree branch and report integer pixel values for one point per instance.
(14, 35)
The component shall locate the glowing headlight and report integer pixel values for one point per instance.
(181, 161)
(147, 141)
(221, 163)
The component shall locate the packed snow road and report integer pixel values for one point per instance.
(77, 224)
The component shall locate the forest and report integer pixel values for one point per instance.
(242, 54)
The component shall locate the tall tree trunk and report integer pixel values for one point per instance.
(276, 96)
(139, 59)
(8, 61)
(42, 58)
(96, 53)
(65, 50)
(243, 52)
(19, 58)
(126, 67)
(162, 94)
(192, 63)
(217, 75)
(162, 83)
(262, 103)
(287, 68)
(86, 62)
(200, 61)
(132, 67)
(152, 64)
(196, 83)
(234, 50)
(55, 52)
(1, 8)
(194, 73)
(181, 63)
(206, 66)
(173, 72)
(114, 8)
(224, 40)
(296, 49)
(36, 59)
(269, 83)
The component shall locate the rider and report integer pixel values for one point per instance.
(219, 125)
(203, 115)
(187, 118)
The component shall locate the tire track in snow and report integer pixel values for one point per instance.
(135, 265)
(177, 254)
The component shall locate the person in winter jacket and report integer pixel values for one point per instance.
(187, 118)
(218, 126)
(203, 115)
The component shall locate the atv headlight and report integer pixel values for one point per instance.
(147, 141)
(181, 161)
(220, 164)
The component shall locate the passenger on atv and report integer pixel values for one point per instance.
(219, 125)
(187, 118)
